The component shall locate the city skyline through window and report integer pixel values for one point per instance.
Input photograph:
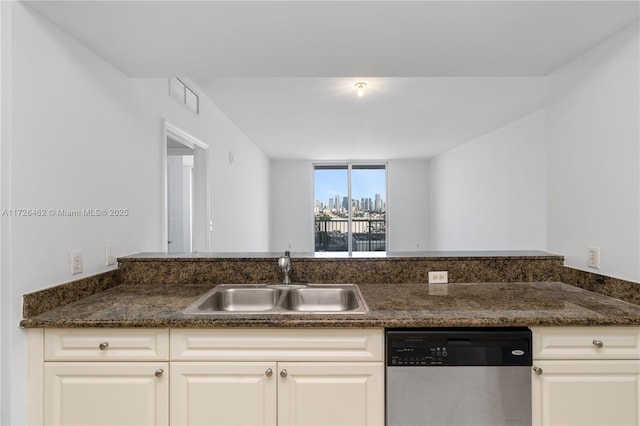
(350, 217)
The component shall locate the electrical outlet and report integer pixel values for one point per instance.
(76, 262)
(593, 257)
(108, 256)
(438, 277)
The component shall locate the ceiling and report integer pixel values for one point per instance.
(439, 73)
(323, 119)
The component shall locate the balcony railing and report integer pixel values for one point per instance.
(366, 235)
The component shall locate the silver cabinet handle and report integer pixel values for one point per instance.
(159, 372)
(269, 372)
(537, 370)
(103, 346)
(283, 373)
(598, 343)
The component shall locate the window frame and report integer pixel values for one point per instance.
(349, 166)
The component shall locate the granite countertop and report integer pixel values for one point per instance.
(390, 305)
(341, 256)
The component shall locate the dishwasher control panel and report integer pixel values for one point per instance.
(450, 347)
(418, 356)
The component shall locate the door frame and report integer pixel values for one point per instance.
(201, 241)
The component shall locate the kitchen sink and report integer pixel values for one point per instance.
(282, 299)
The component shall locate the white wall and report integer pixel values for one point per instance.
(408, 206)
(83, 135)
(240, 193)
(593, 157)
(7, 311)
(4, 323)
(490, 193)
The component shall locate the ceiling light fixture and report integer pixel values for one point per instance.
(360, 85)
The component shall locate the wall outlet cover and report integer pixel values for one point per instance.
(593, 257)
(76, 262)
(438, 277)
(108, 256)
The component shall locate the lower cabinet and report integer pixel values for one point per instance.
(586, 393)
(350, 393)
(320, 377)
(206, 377)
(586, 376)
(223, 393)
(277, 377)
(88, 393)
(282, 393)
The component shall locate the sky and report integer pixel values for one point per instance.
(366, 183)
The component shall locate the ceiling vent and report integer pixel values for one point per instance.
(183, 94)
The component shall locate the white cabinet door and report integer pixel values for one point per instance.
(106, 393)
(586, 393)
(330, 393)
(223, 393)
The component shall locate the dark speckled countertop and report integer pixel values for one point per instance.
(390, 305)
(340, 256)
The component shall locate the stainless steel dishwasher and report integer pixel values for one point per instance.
(459, 376)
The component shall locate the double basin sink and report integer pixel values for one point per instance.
(280, 299)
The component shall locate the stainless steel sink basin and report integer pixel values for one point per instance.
(326, 299)
(241, 299)
(263, 299)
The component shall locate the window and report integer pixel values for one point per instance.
(350, 207)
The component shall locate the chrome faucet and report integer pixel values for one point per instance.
(284, 263)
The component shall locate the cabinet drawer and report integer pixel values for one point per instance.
(278, 345)
(106, 345)
(586, 343)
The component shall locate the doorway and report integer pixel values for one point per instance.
(186, 220)
(179, 197)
